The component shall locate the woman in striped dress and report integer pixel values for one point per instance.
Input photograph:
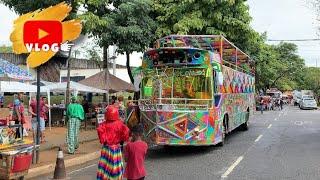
(111, 133)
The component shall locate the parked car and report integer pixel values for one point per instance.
(308, 103)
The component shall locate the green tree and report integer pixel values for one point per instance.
(25, 6)
(228, 18)
(279, 66)
(5, 49)
(311, 80)
(126, 24)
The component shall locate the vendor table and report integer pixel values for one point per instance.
(57, 115)
(89, 118)
(15, 159)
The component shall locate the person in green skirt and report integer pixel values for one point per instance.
(75, 114)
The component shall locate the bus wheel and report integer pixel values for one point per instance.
(244, 126)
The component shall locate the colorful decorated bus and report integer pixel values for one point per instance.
(195, 89)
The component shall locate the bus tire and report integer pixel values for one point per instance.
(225, 125)
(244, 126)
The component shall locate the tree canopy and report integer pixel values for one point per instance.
(126, 24)
(5, 49)
(311, 80)
(25, 6)
(132, 25)
(228, 18)
(279, 66)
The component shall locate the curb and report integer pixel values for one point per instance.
(46, 169)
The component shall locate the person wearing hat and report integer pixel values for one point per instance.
(111, 133)
(75, 114)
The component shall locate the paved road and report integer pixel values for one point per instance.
(278, 145)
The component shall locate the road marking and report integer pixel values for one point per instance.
(72, 172)
(275, 119)
(258, 138)
(279, 115)
(230, 169)
(298, 123)
(269, 126)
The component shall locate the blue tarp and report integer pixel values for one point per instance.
(13, 71)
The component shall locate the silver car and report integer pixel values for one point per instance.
(308, 103)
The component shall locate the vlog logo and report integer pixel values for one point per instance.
(44, 32)
(42, 35)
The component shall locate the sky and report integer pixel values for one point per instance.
(289, 19)
(281, 19)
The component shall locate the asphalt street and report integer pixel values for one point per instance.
(278, 145)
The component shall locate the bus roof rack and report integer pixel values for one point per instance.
(229, 53)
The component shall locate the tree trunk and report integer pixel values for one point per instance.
(129, 68)
(136, 94)
(105, 57)
(105, 68)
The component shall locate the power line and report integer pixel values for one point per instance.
(293, 39)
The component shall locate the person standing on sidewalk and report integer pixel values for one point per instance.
(1, 99)
(111, 133)
(34, 122)
(18, 114)
(135, 153)
(75, 114)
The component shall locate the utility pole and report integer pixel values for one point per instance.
(68, 78)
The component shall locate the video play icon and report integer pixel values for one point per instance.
(42, 33)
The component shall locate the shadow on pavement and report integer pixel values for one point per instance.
(178, 151)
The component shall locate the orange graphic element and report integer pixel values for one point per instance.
(181, 126)
(70, 31)
(42, 33)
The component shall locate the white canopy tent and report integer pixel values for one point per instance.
(75, 87)
(14, 86)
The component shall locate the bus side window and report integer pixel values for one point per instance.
(217, 95)
(217, 98)
(216, 88)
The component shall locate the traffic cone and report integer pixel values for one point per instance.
(60, 169)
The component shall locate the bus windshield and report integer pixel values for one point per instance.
(189, 83)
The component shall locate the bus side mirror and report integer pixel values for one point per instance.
(220, 78)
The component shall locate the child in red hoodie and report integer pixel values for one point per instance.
(134, 153)
(111, 133)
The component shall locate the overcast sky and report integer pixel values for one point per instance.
(288, 19)
(281, 19)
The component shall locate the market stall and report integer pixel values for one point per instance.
(75, 87)
(13, 87)
(58, 112)
(106, 81)
(15, 154)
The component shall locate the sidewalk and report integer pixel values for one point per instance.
(89, 149)
(57, 137)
